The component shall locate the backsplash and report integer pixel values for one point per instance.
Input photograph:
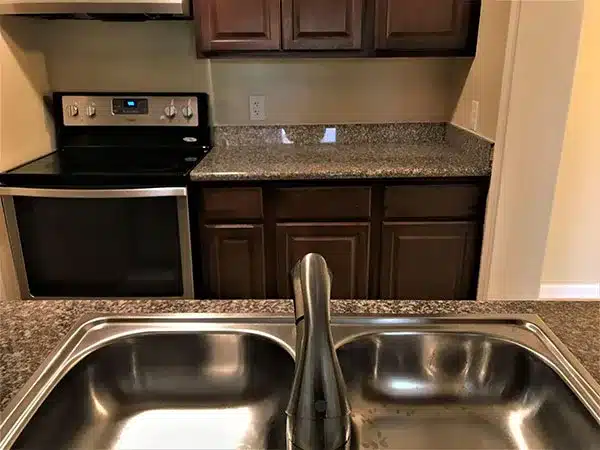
(424, 133)
(152, 56)
(405, 133)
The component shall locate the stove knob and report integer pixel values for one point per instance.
(171, 111)
(90, 111)
(187, 111)
(73, 110)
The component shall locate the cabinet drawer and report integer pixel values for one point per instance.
(233, 203)
(438, 200)
(323, 203)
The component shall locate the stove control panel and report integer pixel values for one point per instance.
(109, 110)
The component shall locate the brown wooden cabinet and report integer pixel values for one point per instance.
(409, 239)
(340, 27)
(345, 246)
(425, 25)
(322, 25)
(428, 260)
(234, 262)
(238, 25)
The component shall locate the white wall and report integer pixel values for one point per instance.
(544, 38)
(572, 259)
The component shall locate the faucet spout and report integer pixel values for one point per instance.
(318, 414)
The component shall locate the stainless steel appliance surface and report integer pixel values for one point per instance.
(112, 9)
(223, 381)
(106, 215)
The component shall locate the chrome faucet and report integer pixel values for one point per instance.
(318, 414)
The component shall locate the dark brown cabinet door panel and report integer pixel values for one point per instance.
(423, 24)
(322, 24)
(234, 263)
(238, 24)
(345, 246)
(428, 260)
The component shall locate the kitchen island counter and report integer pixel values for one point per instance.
(31, 329)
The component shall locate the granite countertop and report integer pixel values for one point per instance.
(31, 329)
(327, 161)
(371, 152)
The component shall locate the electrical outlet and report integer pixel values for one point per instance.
(257, 107)
(474, 115)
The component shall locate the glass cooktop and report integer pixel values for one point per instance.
(106, 167)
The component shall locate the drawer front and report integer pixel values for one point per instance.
(430, 201)
(233, 203)
(323, 203)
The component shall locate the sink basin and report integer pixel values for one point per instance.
(178, 390)
(223, 382)
(459, 391)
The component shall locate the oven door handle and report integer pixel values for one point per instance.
(94, 193)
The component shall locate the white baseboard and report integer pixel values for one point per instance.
(562, 291)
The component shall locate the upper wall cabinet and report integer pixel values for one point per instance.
(322, 25)
(425, 25)
(234, 25)
(337, 27)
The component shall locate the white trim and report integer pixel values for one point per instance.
(571, 291)
(494, 190)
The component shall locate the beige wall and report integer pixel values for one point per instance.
(25, 126)
(343, 91)
(573, 249)
(93, 55)
(161, 56)
(25, 130)
(534, 107)
(484, 80)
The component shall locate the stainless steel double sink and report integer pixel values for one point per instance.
(222, 382)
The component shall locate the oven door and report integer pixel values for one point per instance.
(95, 243)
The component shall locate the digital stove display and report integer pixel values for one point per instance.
(130, 106)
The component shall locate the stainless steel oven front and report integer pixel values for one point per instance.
(100, 243)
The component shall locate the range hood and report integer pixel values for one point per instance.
(97, 8)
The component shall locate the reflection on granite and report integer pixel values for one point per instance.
(405, 133)
(314, 152)
(31, 329)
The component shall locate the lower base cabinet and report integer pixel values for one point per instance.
(417, 239)
(345, 246)
(234, 261)
(428, 260)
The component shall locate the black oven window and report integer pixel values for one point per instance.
(125, 247)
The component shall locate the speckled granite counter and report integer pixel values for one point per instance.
(358, 151)
(29, 330)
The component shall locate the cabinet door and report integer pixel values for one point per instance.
(234, 264)
(344, 246)
(423, 24)
(239, 24)
(322, 24)
(429, 260)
